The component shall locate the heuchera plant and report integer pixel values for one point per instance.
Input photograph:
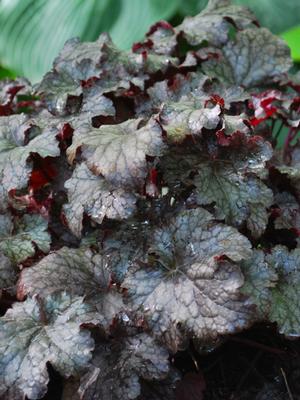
(144, 204)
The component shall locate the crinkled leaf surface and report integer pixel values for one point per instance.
(39, 331)
(186, 118)
(273, 282)
(259, 279)
(119, 366)
(7, 273)
(91, 194)
(212, 24)
(118, 152)
(80, 272)
(80, 62)
(290, 168)
(169, 91)
(123, 247)
(256, 57)
(15, 151)
(17, 240)
(239, 197)
(234, 123)
(289, 211)
(186, 285)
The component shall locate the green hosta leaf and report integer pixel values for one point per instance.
(92, 195)
(118, 152)
(35, 44)
(273, 282)
(36, 332)
(186, 285)
(17, 240)
(254, 58)
(79, 272)
(276, 15)
(292, 37)
(118, 368)
(15, 151)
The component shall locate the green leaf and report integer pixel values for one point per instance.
(17, 240)
(7, 273)
(6, 73)
(33, 31)
(292, 37)
(277, 15)
(273, 282)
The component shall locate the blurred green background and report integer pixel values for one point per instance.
(33, 31)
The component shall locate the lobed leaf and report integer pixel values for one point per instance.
(185, 285)
(91, 194)
(18, 241)
(79, 272)
(36, 332)
(254, 58)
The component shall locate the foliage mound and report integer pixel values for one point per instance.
(144, 205)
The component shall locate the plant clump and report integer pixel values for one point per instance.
(146, 204)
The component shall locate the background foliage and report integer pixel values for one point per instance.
(33, 31)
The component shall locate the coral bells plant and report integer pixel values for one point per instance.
(145, 205)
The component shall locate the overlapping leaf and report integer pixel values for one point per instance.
(186, 285)
(118, 152)
(79, 272)
(36, 332)
(288, 213)
(118, 367)
(18, 241)
(16, 147)
(239, 197)
(211, 25)
(125, 246)
(187, 118)
(230, 181)
(80, 64)
(254, 58)
(273, 282)
(92, 195)
(140, 144)
(7, 273)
